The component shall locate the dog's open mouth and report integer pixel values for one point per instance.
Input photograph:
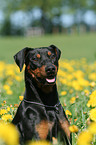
(47, 81)
(51, 80)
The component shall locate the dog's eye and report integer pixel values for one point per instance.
(36, 58)
(33, 59)
(53, 56)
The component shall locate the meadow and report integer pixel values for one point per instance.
(76, 82)
(72, 46)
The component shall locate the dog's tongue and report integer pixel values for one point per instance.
(50, 80)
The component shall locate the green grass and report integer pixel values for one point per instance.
(72, 46)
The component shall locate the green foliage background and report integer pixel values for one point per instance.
(72, 46)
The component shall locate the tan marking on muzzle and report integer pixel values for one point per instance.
(39, 72)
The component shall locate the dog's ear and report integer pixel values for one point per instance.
(20, 57)
(57, 51)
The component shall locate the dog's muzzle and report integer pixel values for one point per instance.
(51, 73)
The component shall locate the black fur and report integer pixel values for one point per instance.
(40, 115)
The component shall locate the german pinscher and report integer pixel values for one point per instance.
(40, 114)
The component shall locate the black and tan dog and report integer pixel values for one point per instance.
(40, 115)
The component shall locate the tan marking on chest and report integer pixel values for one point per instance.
(43, 128)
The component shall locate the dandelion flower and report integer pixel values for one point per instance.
(84, 138)
(8, 134)
(92, 128)
(6, 117)
(3, 111)
(93, 114)
(92, 76)
(63, 93)
(92, 84)
(21, 98)
(68, 112)
(86, 92)
(92, 101)
(9, 92)
(73, 128)
(72, 100)
(6, 87)
(93, 94)
(8, 108)
(18, 78)
(39, 143)
(4, 101)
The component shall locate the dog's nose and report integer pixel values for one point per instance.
(50, 69)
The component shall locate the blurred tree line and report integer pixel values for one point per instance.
(51, 11)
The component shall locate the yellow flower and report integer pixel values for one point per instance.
(21, 98)
(92, 128)
(6, 87)
(92, 84)
(92, 101)
(9, 92)
(76, 85)
(63, 93)
(92, 114)
(18, 78)
(73, 128)
(61, 73)
(78, 74)
(82, 82)
(86, 92)
(68, 112)
(3, 111)
(92, 76)
(10, 72)
(63, 81)
(8, 108)
(93, 94)
(72, 100)
(6, 117)
(8, 134)
(39, 143)
(84, 138)
(4, 102)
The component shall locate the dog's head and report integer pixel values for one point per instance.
(41, 63)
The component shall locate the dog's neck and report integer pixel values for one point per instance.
(46, 94)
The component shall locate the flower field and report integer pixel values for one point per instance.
(76, 82)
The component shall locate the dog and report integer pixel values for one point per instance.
(40, 115)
